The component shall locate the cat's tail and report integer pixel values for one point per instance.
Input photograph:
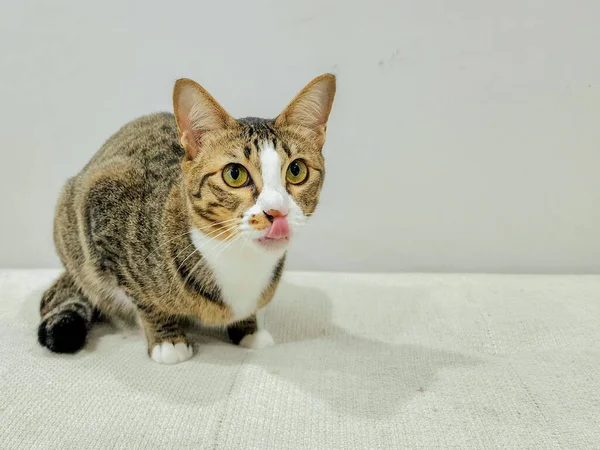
(67, 316)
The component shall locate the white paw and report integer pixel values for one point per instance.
(260, 339)
(167, 353)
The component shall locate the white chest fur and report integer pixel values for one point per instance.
(243, 272)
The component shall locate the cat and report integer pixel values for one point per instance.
(186, 215)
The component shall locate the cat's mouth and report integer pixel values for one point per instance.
(277, 236)
(272, 244)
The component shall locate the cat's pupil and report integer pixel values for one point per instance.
(295, 169)
(235, 173)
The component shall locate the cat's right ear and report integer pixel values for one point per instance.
(197, 113)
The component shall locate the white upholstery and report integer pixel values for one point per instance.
(361, 361)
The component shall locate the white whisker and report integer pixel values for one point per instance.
(217, 223)
(210, 238)
(245, 241)
(192, 271)
(228, 244)
(164, 243)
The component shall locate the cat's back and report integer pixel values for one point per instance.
(120, 192)
(137, 165)
(148, 139)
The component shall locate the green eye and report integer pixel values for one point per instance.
(297, 172)
(235, 175)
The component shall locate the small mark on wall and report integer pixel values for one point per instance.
(391, 60)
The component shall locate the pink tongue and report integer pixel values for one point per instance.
(279, 229)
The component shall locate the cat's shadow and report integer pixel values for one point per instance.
(327, 362)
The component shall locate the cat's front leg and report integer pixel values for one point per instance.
(167, 343)
(246, 334)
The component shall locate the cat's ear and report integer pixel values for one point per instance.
(197, 113)
(310, 109)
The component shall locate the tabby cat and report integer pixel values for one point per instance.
(186, 216)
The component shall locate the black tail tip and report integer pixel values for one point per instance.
(64, 332)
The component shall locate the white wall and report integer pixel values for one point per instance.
(465, 135)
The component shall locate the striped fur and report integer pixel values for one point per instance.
(124, 225)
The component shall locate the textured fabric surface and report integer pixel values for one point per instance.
(362, 361)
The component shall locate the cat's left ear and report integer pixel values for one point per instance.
(309, 111)
(197, 113)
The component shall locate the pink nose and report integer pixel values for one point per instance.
(275, 213)
(279, 229)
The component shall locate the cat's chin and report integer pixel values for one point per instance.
(272, 245)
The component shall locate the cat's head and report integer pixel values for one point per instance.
(251, 179)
